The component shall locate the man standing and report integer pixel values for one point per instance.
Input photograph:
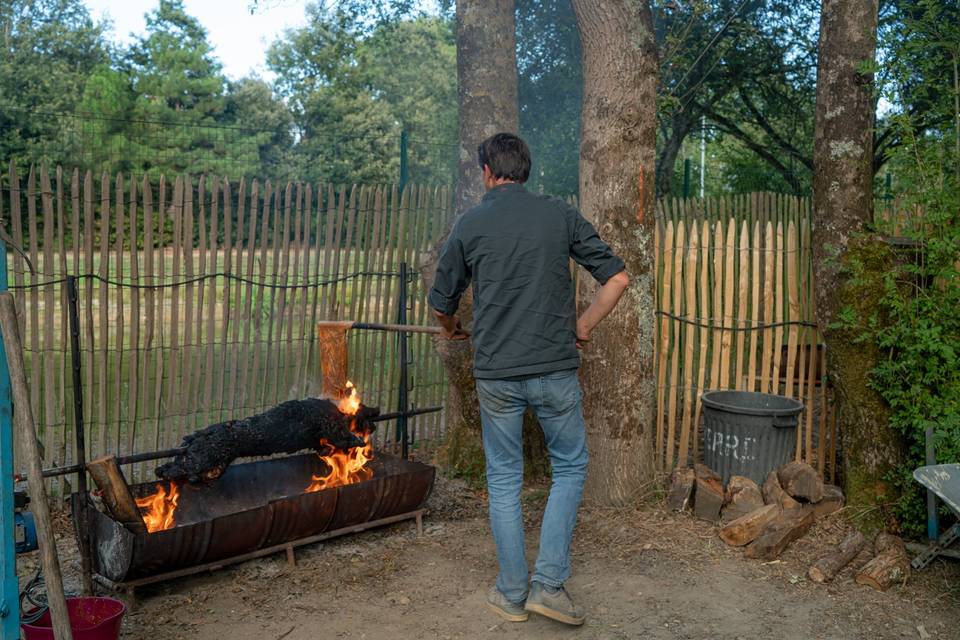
(515, 248)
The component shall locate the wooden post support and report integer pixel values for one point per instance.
(332, 337)
(830, 565)
(117, 497)
(23, 418)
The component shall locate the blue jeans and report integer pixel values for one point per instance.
(556, 399)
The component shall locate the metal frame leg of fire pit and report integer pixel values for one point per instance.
(287, 547)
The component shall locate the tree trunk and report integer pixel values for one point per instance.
(486, 85)
(667, 158)
(487, 90)
(850, 264)
(617, 149)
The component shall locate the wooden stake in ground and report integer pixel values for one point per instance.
(830, 565)
(117, 497)
(23, 418)
(889, 566)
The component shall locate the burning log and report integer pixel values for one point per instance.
(293, 426)
(116, 493)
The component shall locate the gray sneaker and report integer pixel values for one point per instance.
(509, 611)
(557, 606)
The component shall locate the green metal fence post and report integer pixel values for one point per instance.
(404, 160)
(686, 178)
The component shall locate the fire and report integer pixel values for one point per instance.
(346, 467)
(350, 403)
(158, 509)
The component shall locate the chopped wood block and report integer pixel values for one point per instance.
(831, 503)
(779, 533)
(705, 472)
(886, 542)
(774, 493)
(743, 497)
(708, 499)
(801, 481)
(748, 528)
(885, 570)
(831, 564)
(680, 491)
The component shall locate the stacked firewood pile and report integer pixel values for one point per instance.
(766, 519)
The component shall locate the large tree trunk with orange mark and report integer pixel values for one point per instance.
(617, 150)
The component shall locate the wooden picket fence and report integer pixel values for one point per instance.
(198, 299)
(735, 304)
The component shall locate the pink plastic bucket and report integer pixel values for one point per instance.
(90, 619)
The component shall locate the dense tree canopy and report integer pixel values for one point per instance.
(360, 72)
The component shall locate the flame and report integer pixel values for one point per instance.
(350, 403)
(158, 509)
(346, 467)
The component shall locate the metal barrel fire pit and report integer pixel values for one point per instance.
(254, 509)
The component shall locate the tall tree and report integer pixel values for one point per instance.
(617, 151)
(849, 263)
(487, 85)
(487, 99)
(49, 47)
(178, 80)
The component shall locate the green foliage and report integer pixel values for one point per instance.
(917, 326)
(50, 47)
(353, 90)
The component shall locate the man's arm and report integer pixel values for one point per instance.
(603, 303)
(451, 279)
(595, 255)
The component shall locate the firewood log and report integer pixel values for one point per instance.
(681, 489)
(801, 481)
(774, 493)
(742, 498)
(831, 564)
(708, 495)
(293, 426)
(889, 566)
(784, 529)
(116, 493)
(746, 529)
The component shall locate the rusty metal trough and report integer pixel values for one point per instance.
(255, 509)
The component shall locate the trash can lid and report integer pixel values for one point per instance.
(751, 403)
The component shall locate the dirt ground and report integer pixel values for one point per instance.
(640, 573)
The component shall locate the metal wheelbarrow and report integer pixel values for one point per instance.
(943, 480)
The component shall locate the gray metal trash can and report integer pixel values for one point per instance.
(747, 433)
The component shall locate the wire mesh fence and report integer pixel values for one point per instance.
(198, 298)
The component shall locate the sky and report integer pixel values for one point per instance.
(240, 40)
